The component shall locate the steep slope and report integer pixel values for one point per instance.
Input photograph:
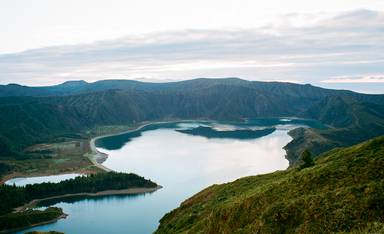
(78, 106)
(344, 191)
(26, 120)
(351, 122)
(344, 112)
(29, 120)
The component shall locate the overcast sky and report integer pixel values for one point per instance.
(331, 43)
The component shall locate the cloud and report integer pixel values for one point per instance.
(356, 79)
(343, 44)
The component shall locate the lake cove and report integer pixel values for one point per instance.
(182, 163)
(22, 181)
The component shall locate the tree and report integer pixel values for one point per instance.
(306, 159)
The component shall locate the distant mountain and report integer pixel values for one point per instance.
(81, 87)
(72, 88)
(30, 115)
(343, 192)
(69, 87)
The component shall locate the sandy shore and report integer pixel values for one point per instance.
(97, 157)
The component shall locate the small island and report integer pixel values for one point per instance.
(209, 132)
(16, 212)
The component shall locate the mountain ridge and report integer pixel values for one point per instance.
(100, 85)
(27, 120)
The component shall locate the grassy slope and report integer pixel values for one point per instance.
(344, 191)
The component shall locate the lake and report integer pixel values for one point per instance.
(22, 181)
(182, 163)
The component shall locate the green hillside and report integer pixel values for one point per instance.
(351, 122)
(342, 192)
(72, 108)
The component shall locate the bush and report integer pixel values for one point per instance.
(306, 159)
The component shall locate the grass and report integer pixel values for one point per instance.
(53, 158)
(342, 192)
(64, 155)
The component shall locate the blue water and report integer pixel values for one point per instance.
(22, 181)
(183, 164)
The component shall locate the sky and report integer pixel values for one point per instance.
(329, 43)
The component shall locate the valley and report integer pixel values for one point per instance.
(192, 117)
(177, 134)
(85, 110)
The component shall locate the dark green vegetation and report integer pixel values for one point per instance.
(306, 159)
(44, 114)
(50, 232)
(342, 192)
(27, 218)
(236, 134)
(12, 196)
(5, 169)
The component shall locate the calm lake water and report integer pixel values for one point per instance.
(22, 181)
(183, 164)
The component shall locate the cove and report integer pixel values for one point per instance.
(182, 163)
(22, 181)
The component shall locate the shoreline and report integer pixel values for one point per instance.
(96, 157)
(129, 191)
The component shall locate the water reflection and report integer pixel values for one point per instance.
(85, 198)
(115, 142)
